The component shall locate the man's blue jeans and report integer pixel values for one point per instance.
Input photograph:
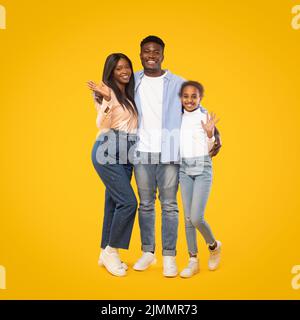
(165, 177)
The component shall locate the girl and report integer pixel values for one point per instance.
(195, 175)
(117, 123)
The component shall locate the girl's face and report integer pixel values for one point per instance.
(122, 72)
(190, 98)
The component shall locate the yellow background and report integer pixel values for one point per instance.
(245, 53)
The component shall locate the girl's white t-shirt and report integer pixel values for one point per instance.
(194, 142)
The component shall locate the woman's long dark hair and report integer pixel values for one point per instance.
(108, 79)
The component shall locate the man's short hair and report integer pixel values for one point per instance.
(153, 39)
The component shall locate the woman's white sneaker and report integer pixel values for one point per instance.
(170, 267)
(112, 263)
(215, 257)
(146, 260)
(191, 269)
(100, 263)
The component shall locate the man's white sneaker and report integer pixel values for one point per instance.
(112, 263)
(215, 256)
(146, 260)
(191, 269)
(170, 267)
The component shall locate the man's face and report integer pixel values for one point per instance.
(151, 56)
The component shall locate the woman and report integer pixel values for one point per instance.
(117, 123)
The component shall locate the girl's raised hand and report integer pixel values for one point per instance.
(100, 89)
(209, 126)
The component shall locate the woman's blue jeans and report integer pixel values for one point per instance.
(120, 200)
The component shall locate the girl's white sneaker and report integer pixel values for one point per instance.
(215, 257)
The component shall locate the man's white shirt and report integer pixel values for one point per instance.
(151, 97)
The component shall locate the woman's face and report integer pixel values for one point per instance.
(122, 72)
(190, 98)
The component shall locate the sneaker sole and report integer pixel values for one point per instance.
(213, 269)
(173, 275)
(186, 277)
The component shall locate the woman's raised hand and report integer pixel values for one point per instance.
(209, 126)
(100, 89)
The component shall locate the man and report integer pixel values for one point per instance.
(159, 107)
